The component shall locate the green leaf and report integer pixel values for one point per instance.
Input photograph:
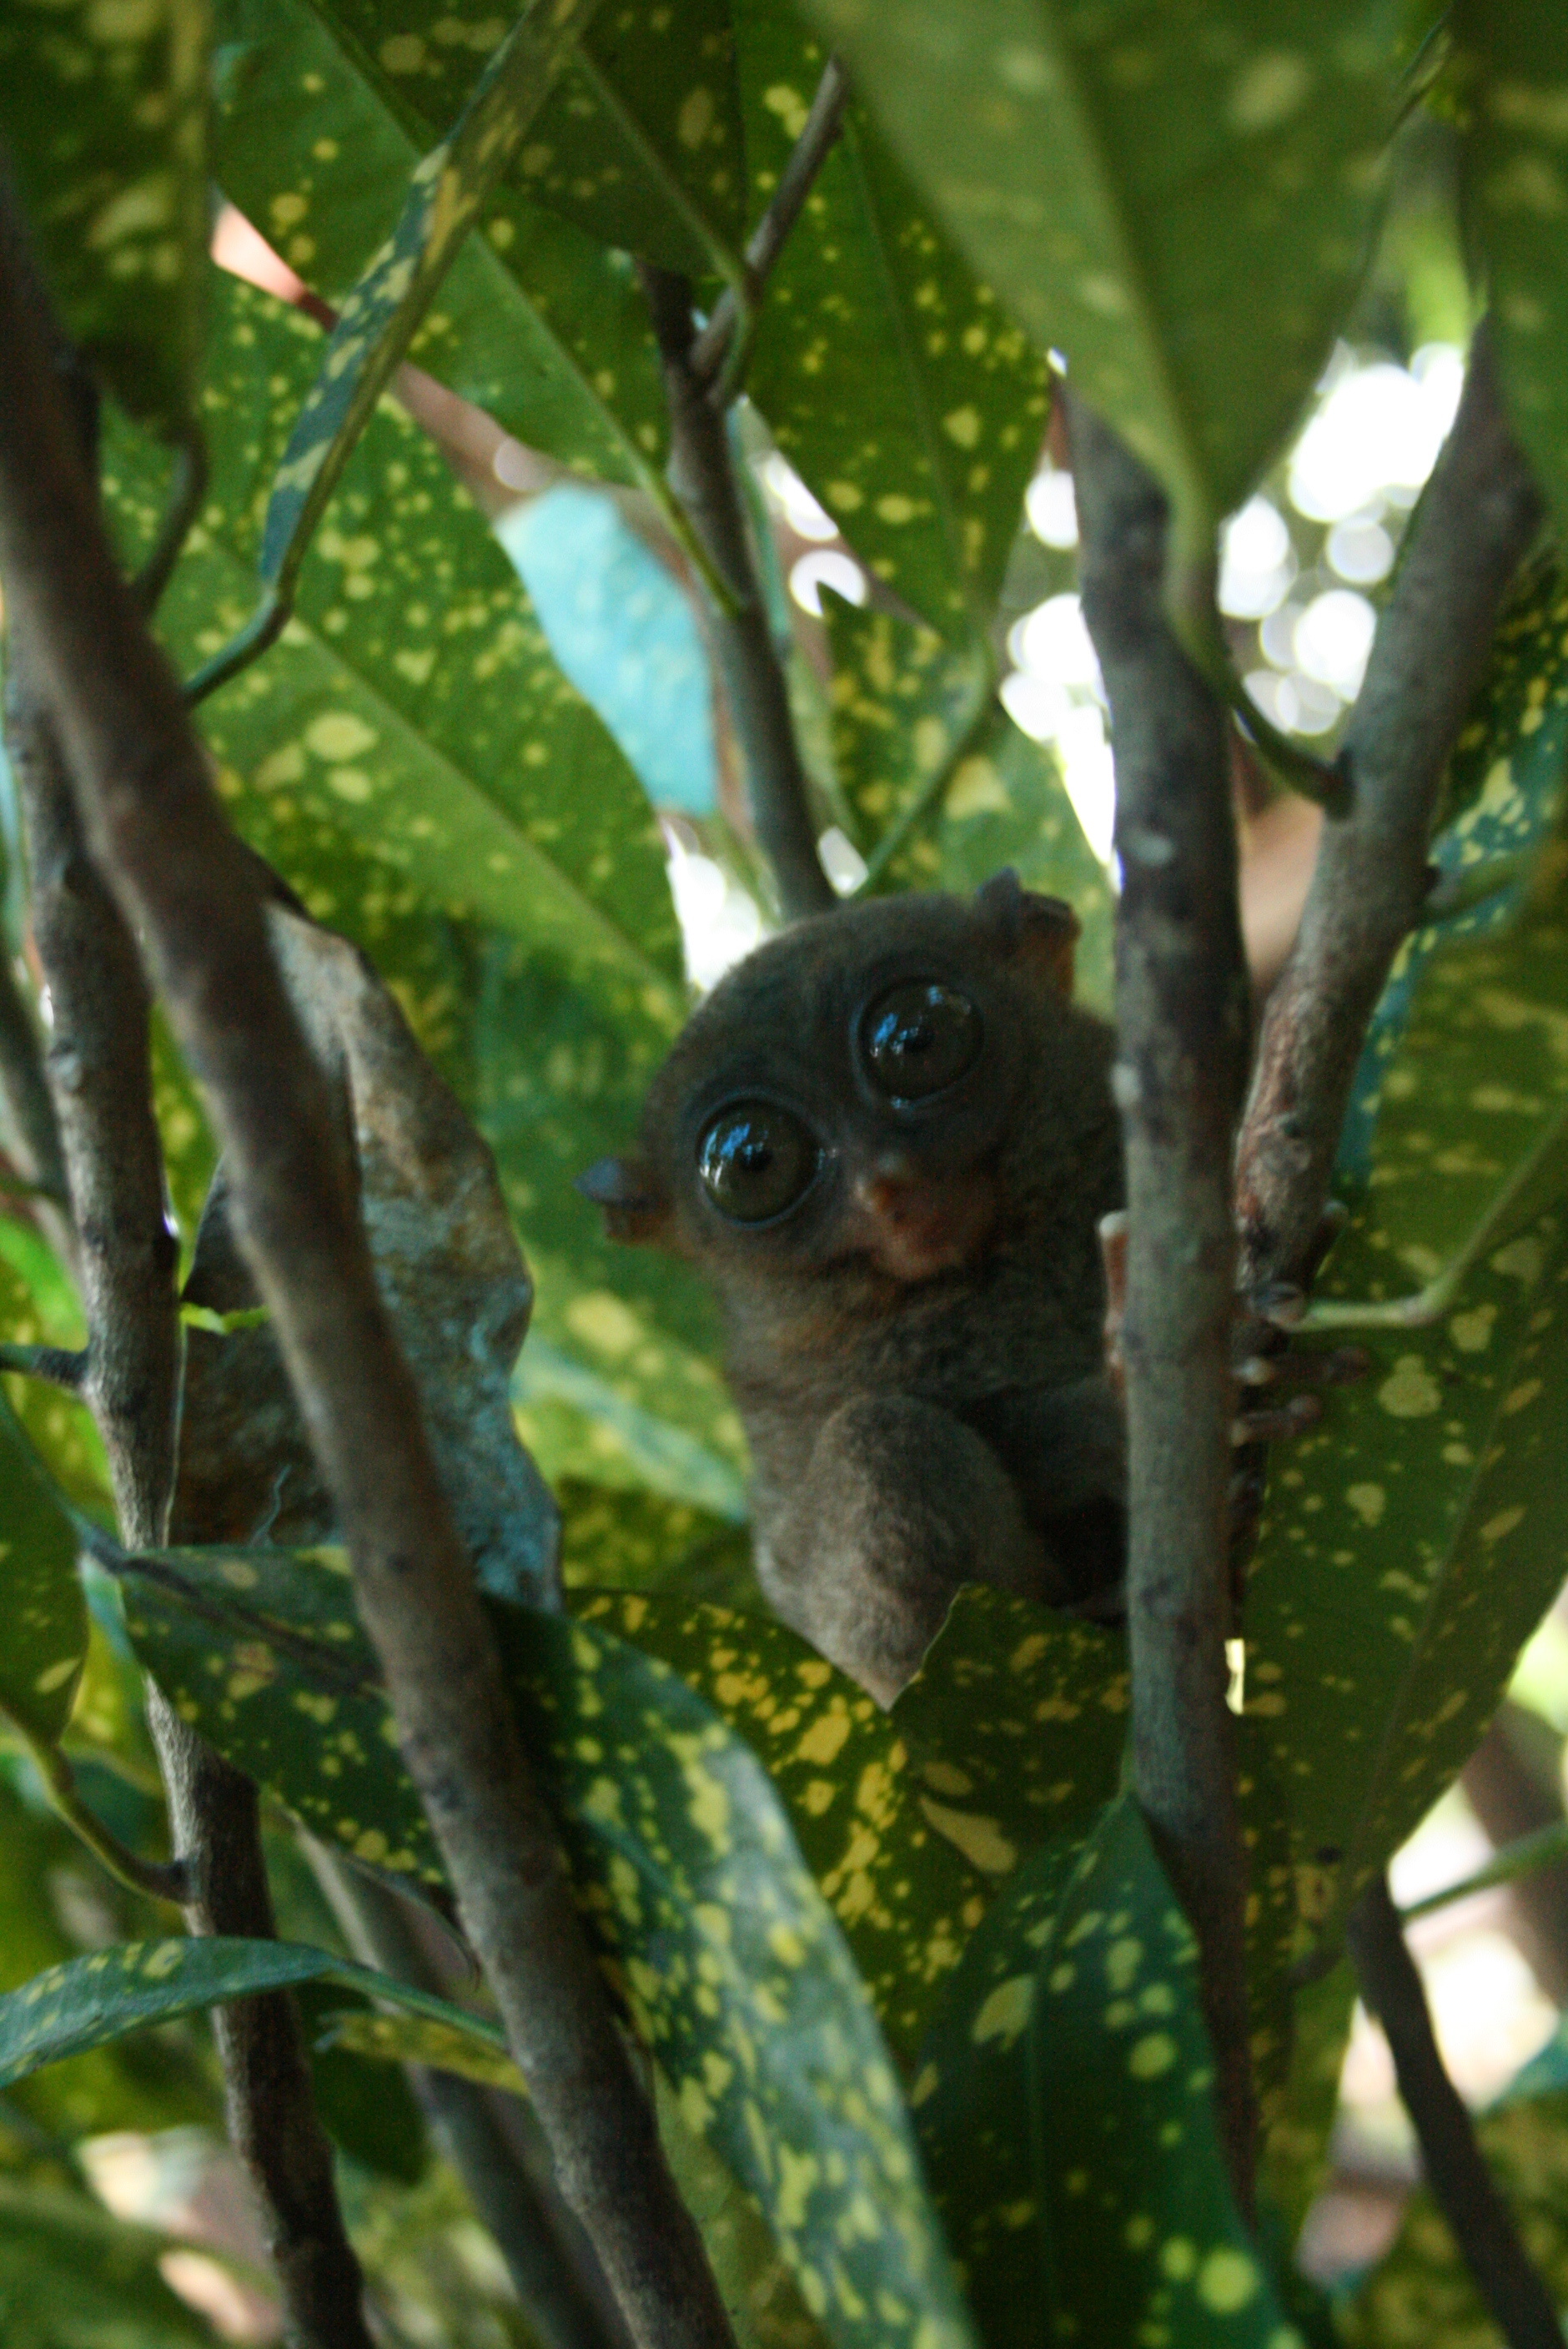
(489, 848)
(1414, 1540)
(368, 2113)
(887, 1853)
(89, 2001)
(1515, 56)
(1029, 1708)
(1178, 202)
(759, 2290)
(103, 116)
(380, 318)
(53, 1898)
(946, 789)
(536, 324)
(640, 1541)
(1064, 2106)
(924, 459)
(42, 1614)
(731, 1964)
(640, 144)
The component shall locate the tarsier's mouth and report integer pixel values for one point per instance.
(912, 1229)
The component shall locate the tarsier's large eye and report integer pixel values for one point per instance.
(755, 1160)
(918, 1039)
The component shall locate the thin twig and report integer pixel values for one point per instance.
(187, 886)
(100, 1068)
(702, 476)
(718, 354)
(1461, 2184)
(1480, 511)
(1181, 1016)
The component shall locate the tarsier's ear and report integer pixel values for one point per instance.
(624, 1187)
(1041, 931)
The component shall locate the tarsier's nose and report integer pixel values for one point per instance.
(886, 1182)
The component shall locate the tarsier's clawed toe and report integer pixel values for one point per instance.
(1264, 1362)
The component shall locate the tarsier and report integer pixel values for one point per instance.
(887, 1139)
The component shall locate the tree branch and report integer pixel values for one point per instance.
(1181, 1015)
(100, 1072)
(1461, 2184)
(1476, 521)
(186, 885)
(702, 476)
(719, 353)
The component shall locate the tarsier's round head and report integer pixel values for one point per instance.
(845, 1094)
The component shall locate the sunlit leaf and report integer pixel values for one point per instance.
(639, 1541)
(1514, 58)
(924, 459)
(1178, 201)
(1065, 2106)
(536, 324)
(42, 1614)
(380, 316)
(103, 118)
(729, 1960)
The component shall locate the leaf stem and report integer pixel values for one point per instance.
(154, 1879)
(1521, 1858)
(721, 352)
(1428, 1305)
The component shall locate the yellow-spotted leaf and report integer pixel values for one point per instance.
(1514, 58)
(760, 2292)
(380, 316)
(538, 325)
(922, 458)
(945, 788)
(88, 2001)
(1017, 1719)
(733, 1968)
(103, 119)
(42, 1613)
(411, 759)
(1065, 2107)
(1413, 1541)
(1178, 202)
(639, 1541)
(640, 144)
(905, 1889)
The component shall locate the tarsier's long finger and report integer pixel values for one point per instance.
(1276, 1426)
